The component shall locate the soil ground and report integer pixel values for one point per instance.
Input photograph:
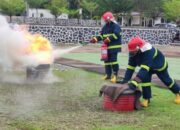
(72, 102)
(168, 51)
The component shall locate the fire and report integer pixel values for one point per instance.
(40, 48)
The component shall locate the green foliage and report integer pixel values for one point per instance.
(90, 6)
(37, 3)
(149, 8)
(73, 8)
(116, 6)
(95, 8)
(58, 7)
(12, 7)
(74, 4)
(172, 9)
(73, 12)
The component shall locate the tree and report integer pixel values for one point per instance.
(12, 7)
(149, 8)
(115, 6)
(58, 7)
(95, 8)
(74, 6)
(90, 6)
(37, 4)
(172, 10)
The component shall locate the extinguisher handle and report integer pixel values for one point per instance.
(105, 43)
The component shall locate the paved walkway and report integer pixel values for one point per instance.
(100, 69)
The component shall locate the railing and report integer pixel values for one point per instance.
(57, 22)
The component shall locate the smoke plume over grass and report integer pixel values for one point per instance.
(13, 50)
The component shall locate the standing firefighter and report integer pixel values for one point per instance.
(111, 37)
(151, 61)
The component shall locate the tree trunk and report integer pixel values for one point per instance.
(36, 15)
(55, 19)
(91, 14)
(10, 20)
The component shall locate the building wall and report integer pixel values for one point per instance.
(157, 20)
(44, 13)
(136, 20)
(72, 34)
(37, 13)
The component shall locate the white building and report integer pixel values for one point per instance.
(135, 19)
(44, 13)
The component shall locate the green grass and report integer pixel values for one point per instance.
(73, 104)
(95, 58)
(174, 63)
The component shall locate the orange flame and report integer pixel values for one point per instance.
(39, 47)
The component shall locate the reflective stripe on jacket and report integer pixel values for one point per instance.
(113, 32)
(150, 60)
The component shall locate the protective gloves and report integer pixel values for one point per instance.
(93, 40)
(133, 84)
(106, 40)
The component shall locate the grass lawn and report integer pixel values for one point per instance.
(173, 63)
(72, 103)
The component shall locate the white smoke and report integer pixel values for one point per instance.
(12, 44)
(57, 53)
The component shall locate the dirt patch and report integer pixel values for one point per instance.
(167, 50)
(100, 69)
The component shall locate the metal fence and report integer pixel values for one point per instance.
(52, 21)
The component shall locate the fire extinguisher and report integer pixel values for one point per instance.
(104, 52)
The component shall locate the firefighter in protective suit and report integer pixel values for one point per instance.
(151, 61)
(111, 36)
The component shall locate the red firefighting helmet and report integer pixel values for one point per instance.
(108, 16)
(135, 43)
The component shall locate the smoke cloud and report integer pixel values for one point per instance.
(11, 46)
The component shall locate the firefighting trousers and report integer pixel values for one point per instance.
(168, 81)
(164, 77)
(111, 65)
(146, 86)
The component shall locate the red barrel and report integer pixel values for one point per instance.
(123, 103)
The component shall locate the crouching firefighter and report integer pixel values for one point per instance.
(111, 37)
(151, 61)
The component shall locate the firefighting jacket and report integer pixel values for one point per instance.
(150, 60)
(113, 32)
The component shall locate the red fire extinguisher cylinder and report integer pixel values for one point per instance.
(104, 52)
